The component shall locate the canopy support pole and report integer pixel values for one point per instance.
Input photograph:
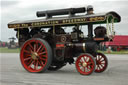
(90, 31)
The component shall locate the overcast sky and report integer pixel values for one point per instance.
(26, 9)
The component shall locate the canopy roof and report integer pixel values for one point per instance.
(100, 18)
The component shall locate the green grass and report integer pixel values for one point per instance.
(115, 52)
(17, 50)
(6, 50)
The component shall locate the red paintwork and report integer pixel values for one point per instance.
(59, 45)
(30, 64)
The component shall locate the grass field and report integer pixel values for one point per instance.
(6, 50)
(115, 52)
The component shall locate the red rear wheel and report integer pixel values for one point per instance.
(36, 55)
(101, 62)
(85, 64)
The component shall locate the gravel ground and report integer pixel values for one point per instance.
(12, 73)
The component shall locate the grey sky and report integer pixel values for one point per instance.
(26, 9)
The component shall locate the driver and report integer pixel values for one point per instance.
(58, 30)
(100, 31)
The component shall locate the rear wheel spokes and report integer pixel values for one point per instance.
(31, 47)
(34, 55)
(41, 63)
(42, 53)
(36, 65)
(42, 58)
(29, 66)
(37, 45)
(34, 47)
(26, 51)
(26, 59)
(39, 48)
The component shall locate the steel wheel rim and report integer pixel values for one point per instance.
(101, 62)
(88, 66)
(34, 56)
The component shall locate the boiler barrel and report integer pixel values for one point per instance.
(89, 47)
(60, 12)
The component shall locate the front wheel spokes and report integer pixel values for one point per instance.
(83, 68)
(100, 58)
(88, 68)
(87, 59)
(101, 62)
(85, 64)
(89, 63)
(98, 66)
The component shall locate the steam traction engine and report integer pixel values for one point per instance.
(45, 45)
(12, 44)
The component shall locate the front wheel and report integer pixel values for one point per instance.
(85, 64)
(36, 55)
(101, 62)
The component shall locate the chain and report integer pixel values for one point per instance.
(113, 26)
(107, 27)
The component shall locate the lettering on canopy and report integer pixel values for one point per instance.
(58, 22)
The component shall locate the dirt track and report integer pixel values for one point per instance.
(12, 73)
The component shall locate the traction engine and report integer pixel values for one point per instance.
(45, 45)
